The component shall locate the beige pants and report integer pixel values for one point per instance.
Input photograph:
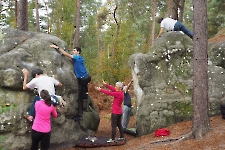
(61, 101)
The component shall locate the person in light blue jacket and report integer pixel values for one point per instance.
(127, 107)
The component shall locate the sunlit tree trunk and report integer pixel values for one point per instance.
(181, 13)
(153, 23)
(101, 17)
(49, 17)
(37, 16)
(22, 20)
(77, 31)
(201, 123)
(178, 10)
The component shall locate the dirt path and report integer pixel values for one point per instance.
(214, 140)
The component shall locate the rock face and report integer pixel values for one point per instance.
(163, 82)
(30, 50)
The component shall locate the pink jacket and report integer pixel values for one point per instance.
(118, 98)
(42, 122)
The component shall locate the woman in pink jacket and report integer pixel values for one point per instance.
(117, 93)
(41, 129)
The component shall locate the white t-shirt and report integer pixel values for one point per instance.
(168, 24)
(43, 82)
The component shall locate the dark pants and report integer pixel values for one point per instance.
(83, 89)
(116, 122)
(37, 137)
(180, 27)
(222, 108)
(32, 109)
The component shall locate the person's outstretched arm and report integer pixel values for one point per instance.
(126, 88)
(59, 85)
(129, 84)
(61, 50)
(111, 88)
(160, 32)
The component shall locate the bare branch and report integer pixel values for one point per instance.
(114, 15)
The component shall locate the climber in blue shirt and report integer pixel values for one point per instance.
(82, 77)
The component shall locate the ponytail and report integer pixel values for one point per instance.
(45, 95)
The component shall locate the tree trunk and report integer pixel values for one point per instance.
(117, 33)
(99, 46)
(178, 10)
(175, 9)
(22, 20)
(77, 31)
(99, 52)
(50, 16)
(201, 122)
(169, 9)
(152, 39)
(16, 13)
(37, 16)
(181, 13)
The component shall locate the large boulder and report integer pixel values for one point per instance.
(18, 50)
(163, 80)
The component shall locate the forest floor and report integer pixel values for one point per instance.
(213, 140)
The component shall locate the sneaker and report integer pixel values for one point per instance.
(77, 118)
(110, 141)
(120, 139)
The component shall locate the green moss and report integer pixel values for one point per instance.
(190, 91)
(179, 86)
(185, 110)
(1, 139)
(154, 127)
(169, 120)
(7, 107)
(1, 35)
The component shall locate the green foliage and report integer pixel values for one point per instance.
(216, 20)
(31, 18)
(63, 20)
(98, 29)
(90, 37)
(7, 16)
(101, 17)
(132, 38)
(115, 68)
(188, 15)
